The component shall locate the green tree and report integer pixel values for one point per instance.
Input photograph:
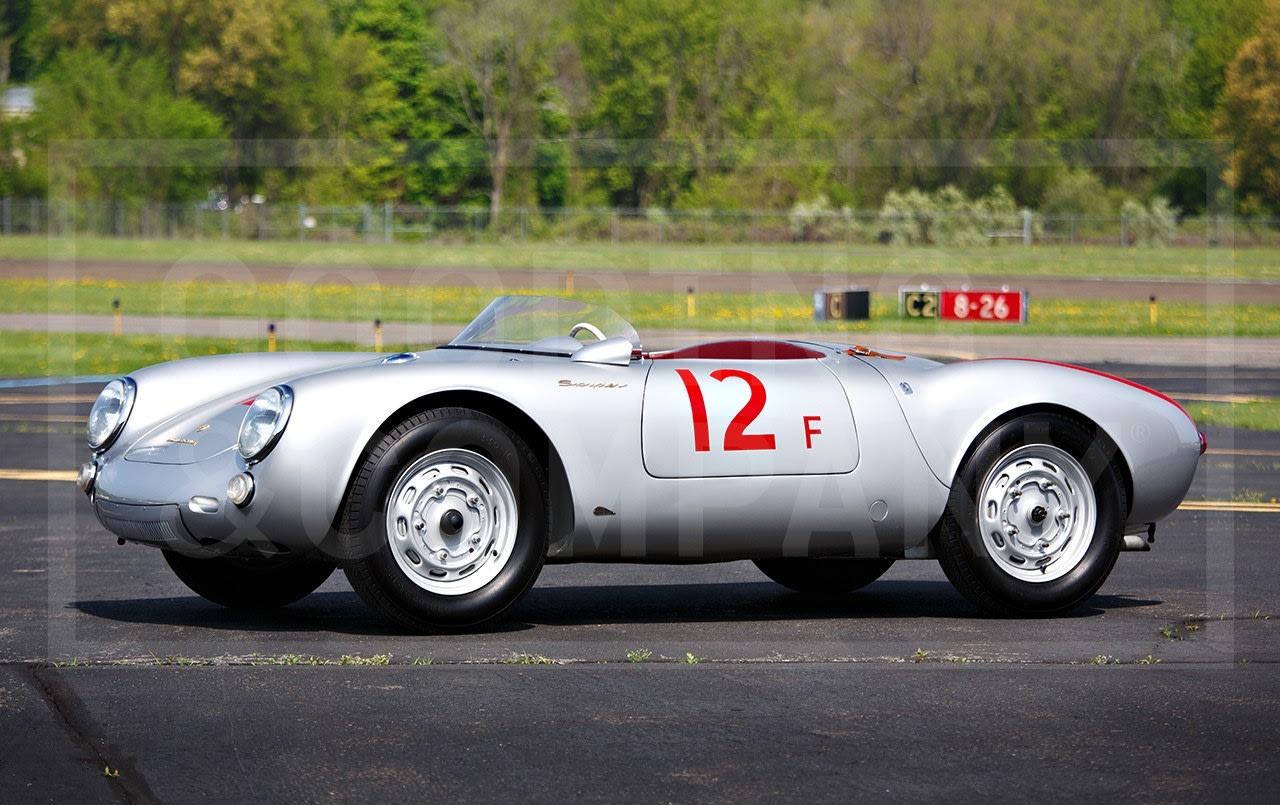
(1198, 41)
(945, 84)
(279, 71)
(1207, 36)
(431, 160)
(679, 84)
(15, 28)
(166, 30)
(1250, 114)
(87, 95)
(1076, 191)
(672, 102)
(501, 54)
(271, 70)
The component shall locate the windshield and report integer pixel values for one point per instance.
(543, 324)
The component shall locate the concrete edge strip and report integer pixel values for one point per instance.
(40, 382)
(45, 399)
(51, 419)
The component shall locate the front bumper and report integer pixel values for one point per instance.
(185, 508)
(151, 525)
(191, 529)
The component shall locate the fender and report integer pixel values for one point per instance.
(951, 405)
(308, 483)
(214, 381)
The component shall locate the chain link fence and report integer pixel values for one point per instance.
(397, 223)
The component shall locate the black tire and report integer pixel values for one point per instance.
(823, 576)
(250, 584)
(973, 563)
(378, 574)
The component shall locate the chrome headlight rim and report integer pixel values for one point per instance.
(129, 391)
(282, 412)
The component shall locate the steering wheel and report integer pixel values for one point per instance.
(591, 328)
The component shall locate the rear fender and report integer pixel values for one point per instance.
(950, 406)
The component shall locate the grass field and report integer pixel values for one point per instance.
(1261, 415)
(79, 354)
(647, 311)
(1004, 260)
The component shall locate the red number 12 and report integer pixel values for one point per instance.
(735, 436)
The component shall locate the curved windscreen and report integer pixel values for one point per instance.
(543, 324)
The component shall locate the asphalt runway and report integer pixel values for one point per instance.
(1163, 687)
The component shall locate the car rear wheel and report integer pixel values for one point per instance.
(823, 576)
(250, 584)
(1033, 525)
(447, 521)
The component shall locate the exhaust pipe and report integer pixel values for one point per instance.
(1140, 542)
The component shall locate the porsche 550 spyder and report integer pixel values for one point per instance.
(442, 480)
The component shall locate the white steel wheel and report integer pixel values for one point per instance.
(1033, 522)
(1036, 513)
(451, 521)
(447, 521)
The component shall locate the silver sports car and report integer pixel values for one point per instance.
(442, 480)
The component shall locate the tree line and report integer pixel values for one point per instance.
(736, 104)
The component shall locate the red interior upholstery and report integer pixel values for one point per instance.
(743, 350)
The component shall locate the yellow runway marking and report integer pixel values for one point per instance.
(1224, 452)
(37, 475)
(42, 418)
(1227, 506)
(42, 399)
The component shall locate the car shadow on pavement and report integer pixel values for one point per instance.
(342, 612)
(762, 601)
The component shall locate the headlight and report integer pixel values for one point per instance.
(264, 422)
(110, 411)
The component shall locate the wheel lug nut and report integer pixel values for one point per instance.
(1015, 494)
(419, 526)
(439, 490)
(443, 555)
(475, 540)
(473, 500)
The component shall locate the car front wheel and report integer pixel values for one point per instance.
(447, 521)
(1033, 525)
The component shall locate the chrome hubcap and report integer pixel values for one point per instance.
(451, 521)
(1037, 512)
